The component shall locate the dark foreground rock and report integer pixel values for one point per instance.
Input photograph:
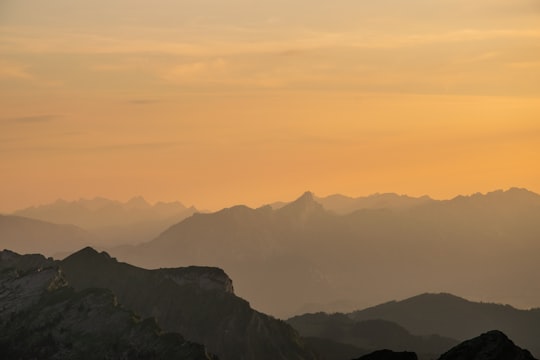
(493, 345)
(41, 317)
(389, 355)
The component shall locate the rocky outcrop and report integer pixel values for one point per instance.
(206, 278)
(493, 345)
(41, 317)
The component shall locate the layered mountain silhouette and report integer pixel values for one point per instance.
(483, 245)
(89, 306)
(454, 317)
(41, 317)
(25, 235)
(370, 334)
(112, 222)
(197, 302)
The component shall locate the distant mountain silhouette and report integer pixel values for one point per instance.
(197, 302)
(370, 334)
(341, 204)
(34, 236)
(41, 317)
(113, 222)
(493, 345)
(454, 317)
(479, 246)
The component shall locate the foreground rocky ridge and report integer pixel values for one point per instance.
(197, 302)
(42, 317)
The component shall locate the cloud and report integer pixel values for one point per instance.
(32, 119)
(142, 101)
(9, 70)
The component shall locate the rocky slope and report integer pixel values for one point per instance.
(197, 302)
(41, 317)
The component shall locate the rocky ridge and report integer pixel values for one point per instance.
(43, 317)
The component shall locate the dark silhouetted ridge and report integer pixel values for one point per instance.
(493, 345)
(197, 302)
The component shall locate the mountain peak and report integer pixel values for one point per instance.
(304, 205)
(137, 202)
(89, 254)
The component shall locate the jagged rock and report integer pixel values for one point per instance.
(493, 345)
(389, 355)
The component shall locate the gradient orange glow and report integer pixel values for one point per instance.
(215, 103)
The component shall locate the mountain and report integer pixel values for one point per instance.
(370, 334)
(112, 222)
(341, 204)
(480, 246)
(34, 236)
(493, 345)
(198, 302)
(42, 317)
(454, 317)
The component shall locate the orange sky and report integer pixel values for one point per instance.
(216, 103)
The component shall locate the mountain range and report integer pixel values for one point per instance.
(314, 254)
(482, 246)
(112, 222)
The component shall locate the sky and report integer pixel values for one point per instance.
(216, 103)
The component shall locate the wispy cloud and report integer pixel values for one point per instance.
(10, 70)
(32, 119)
(142, 101)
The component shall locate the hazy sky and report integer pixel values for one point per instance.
(215, 102)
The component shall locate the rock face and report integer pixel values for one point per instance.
(493, 345)
(197, 302)
(206, 278)
(41, 317)
(389, 355)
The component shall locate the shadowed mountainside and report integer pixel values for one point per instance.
(34, 236)
(42, 317)
(451, 316)
(197, 302)
(112, 222)
(282, 259)
(370, 334)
